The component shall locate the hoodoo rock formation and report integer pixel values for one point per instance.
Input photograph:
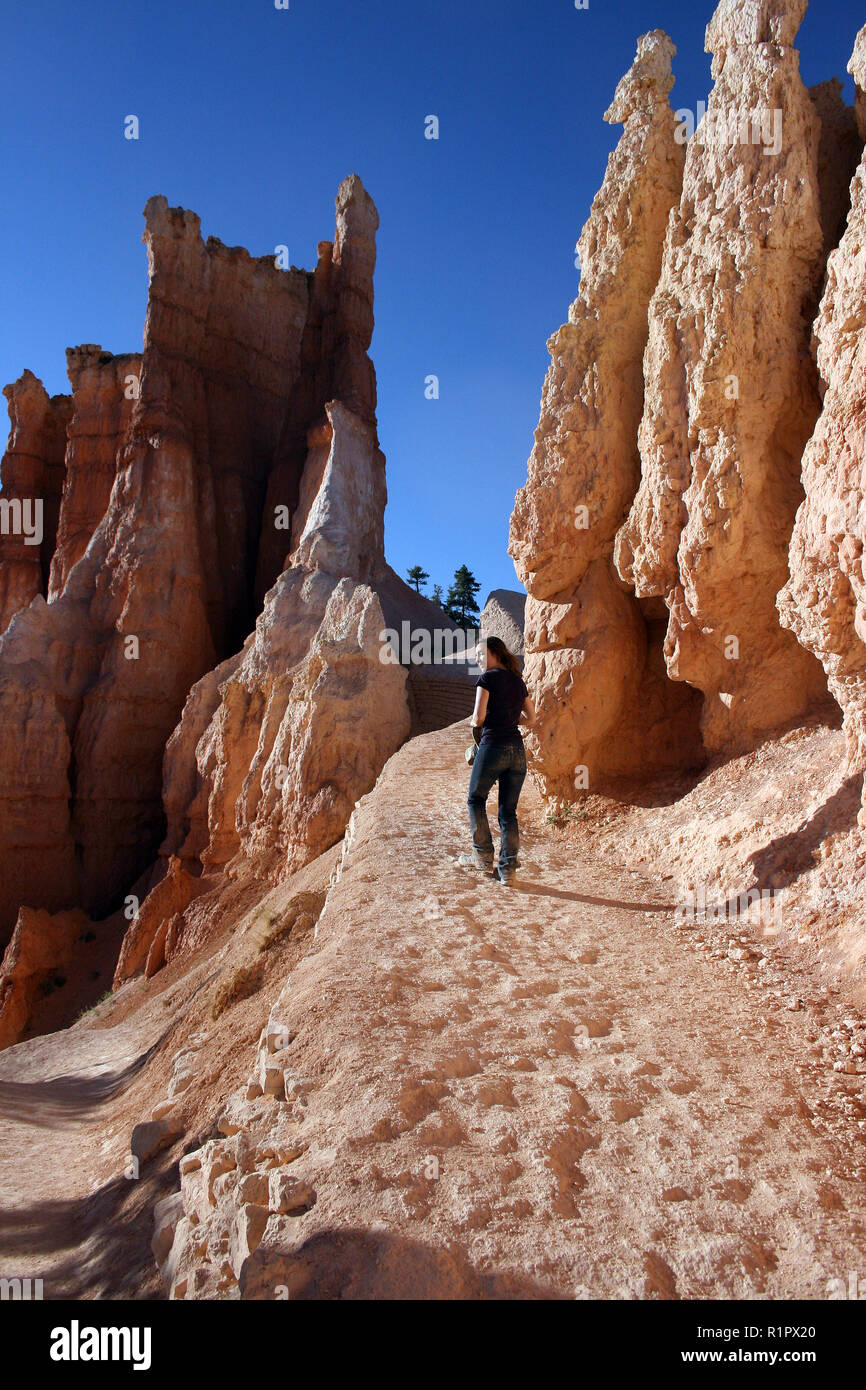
(237, 454)
(592, 655)
(824, 600)
(731, 390)
(674, 419)
(31, 478)
(104, 390)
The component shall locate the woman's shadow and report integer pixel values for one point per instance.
(785, 858)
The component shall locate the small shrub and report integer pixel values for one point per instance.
(300, 915)
(241, 984)
(93, 1007)
(564, 814)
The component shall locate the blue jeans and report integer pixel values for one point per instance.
(504, 763)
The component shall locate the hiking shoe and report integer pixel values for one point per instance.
(507, 877)
(475, 861)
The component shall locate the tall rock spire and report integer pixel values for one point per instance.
(731, 391)
(586, 640)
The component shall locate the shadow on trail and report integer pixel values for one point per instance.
(542, 890)
(786, 858)
(104, 1238)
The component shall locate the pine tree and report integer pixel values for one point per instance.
(438, 596)
(461, 603)
(417, 576)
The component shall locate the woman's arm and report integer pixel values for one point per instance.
(479, 714)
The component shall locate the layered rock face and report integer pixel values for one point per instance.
(589, 662)
(104, 391)
(218, 755)
(824, 600)
(333, 362)
(179, 489)
(731, 392)
(31, 481)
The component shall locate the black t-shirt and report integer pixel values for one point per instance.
(506, 693)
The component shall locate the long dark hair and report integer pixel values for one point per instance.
(499, 650)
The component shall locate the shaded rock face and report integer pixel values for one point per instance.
(31, 481)
(104, 391)
(40, 948)
(731, 391)
(588, 660)
(175, 496)
(839, 152)
(824, 600)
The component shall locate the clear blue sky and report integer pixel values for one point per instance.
(252, 116)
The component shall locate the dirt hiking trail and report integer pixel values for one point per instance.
(552, 1091)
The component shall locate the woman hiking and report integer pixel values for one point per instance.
(501, 700)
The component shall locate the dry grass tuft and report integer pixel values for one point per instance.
(241, 984)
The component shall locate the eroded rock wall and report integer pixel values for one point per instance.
(824, 600)
(334, 362)
(839, 150)
(731, 391)
(587, 658)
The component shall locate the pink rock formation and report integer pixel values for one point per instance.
(731, 395)
(334, 364)
(31, 478)
(824, 600)
(104, 391)
(232, 716)
(277, 744)
(587, 659)
(156, 927)
(237, 456)
(165, 587)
